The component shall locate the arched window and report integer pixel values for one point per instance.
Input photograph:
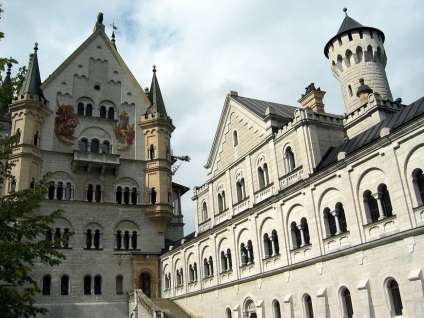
(83, 144)
(153, 196)
(204, 212)
(275, 243)
(191, 273)
(330, 223)
(119, 284)
(263, 176)
(106, 147)
(134, 240)
(152, 154)
(267, 246)
(87, 285)
(221, 202)
(89, 110)
(68, 190)
(340, 62)
(90, 193)
(51, 190)
(64, 285)
(98, 193)
(80, 109)
(290, 162)
(359, 54)
(118, 240)
(395, 298)
(127, 195)
(235, 138)
(134, 196)
(126, 240)
(59, 191)
(228, 313)
(418, 183)
(276, 309)
(309, 311)
(349, 88)
(305, 231)
(210, 262)
(102, 111)
(243, 254)
(206, 272)
(47, 283)
(111, 113)
(369, 54)
(348, 56)
(341, 217)
(296, 236)
(241, 191)
(119, 195)
(371, 207)
(385, 200)
(97, 285)
(94, 146)
(36, 138)
(224, 267)
(346, 303)
(250, 254)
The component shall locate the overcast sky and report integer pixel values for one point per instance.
(269, 50)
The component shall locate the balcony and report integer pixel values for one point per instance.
(264, 193)
(291, 178)
(92, 161)
(204, 226)
(242, 206)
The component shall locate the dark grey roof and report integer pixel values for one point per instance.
(155, 96)
(348, 25)
(394, 122)
(32, 82)
(6, 91)
(258, 107)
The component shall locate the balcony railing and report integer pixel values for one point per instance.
(93, 160)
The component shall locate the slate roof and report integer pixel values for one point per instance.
(32, 82)
(394, 122)
(258, 107)
(348, 25)
(155, 96)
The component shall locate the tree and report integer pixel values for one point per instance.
(22, 228)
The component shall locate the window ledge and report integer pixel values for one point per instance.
(383, 220)
(247, 265)
(93, 249)
(271, 257)
(304, 247)
(336, 236)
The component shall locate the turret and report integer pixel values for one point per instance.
(28, 112)
(157, 128)
(357, 52)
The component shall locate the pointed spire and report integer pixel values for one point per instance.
(6, 90)
(348, 23)
(32, 81)
(155, 96)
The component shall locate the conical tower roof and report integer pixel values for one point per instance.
(347, 26)
(6, 91)
(32, 82)
(155, 96)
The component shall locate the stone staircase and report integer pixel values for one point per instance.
(168, 305)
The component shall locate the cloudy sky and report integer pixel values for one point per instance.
(264, 49)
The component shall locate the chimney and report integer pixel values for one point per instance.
(313, 99)
(363, 92)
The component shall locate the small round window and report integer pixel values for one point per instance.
(97, 87)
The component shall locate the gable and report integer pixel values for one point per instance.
(250, 130)
(95, 75)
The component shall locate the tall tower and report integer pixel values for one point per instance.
(28, 112)
(157, 128)
(357, 52)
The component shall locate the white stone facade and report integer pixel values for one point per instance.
(321, 216)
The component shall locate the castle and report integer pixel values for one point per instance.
(304, 213)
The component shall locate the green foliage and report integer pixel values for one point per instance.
(22, 242)
(22, 226)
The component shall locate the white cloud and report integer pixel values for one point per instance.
(268, 50)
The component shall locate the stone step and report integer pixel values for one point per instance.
(174, 309)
